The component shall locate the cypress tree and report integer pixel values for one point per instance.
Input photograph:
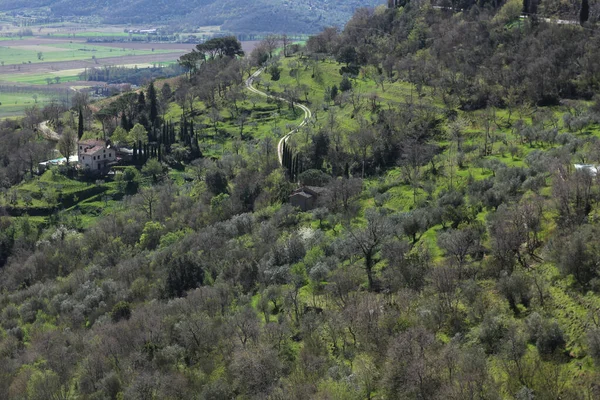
(141, 101)
(159, 154)
(294, 166)
(153, 112)
(80, 125)
(134, 157)
(584, 13)
(124, 122)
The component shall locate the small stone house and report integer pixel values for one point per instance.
(306, 197)
(96, 156)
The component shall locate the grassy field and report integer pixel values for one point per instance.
(29, 54)
(13, 104)
(66, 75)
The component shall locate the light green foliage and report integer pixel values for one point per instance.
(120, 136)
(510, 11)
(138, 133)
(151, 236)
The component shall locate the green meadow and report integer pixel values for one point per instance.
(15, 55)
(13, 104)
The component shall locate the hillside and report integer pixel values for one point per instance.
(277, 16)
(406, 209)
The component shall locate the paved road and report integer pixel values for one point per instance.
(307, 113)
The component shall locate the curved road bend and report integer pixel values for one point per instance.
(307, 113)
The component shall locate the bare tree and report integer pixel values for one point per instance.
(270, 43)
(67, 145)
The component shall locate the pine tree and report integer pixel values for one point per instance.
(134, 158)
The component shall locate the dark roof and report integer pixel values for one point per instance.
(302, 194)
(316, 189)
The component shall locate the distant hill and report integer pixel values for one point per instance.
(301, 16)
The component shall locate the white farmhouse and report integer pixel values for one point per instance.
(96, 155)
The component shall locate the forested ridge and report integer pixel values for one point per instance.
(452, 252)
(256, 16)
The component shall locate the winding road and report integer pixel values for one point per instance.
(307, 113)
(48, 133)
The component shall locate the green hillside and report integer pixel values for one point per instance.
(408, 208)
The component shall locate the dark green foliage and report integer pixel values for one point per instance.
(153, 106)
(227, 46)
(334, 92)
(313, 177)
(129, 180)
(184, 272)
(121, 310)
(124, 123)
(551, 338)
(584, 12)
(593, 341)
(345, 84)
(320, 149)
(577, 255)
(80, 124)
(347, 55)
(275, 72)
(216, 181)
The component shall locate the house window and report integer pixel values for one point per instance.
(109, 154)
(105, 156)
(98, 166)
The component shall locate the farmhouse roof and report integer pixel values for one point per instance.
(92, 142)
(302, 194)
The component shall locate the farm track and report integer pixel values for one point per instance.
(47, 132)
(307, 113)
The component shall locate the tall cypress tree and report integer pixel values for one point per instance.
(80, 125)
(124, 122)
(153, 111)
(584, 13)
